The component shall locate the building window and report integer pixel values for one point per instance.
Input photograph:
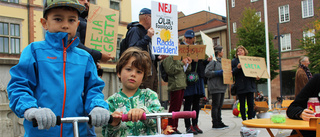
(285, 42)
(114, 4)
(288, 78)
(234, 24)
(233, 3)
(259, 14)
(9, 38)
(284, 14)
(93, 1)
(254, 0)
(309, 34)
(307, 8)
(216, 41)
(11, 1)
(119, 39)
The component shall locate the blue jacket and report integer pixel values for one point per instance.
(58, 76)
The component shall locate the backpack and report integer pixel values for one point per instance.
(124, 44)
(163, 73)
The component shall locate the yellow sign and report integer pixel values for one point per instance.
(227, 71)
(102, 28)
(254, 66)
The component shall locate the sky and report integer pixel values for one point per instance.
(186, 6)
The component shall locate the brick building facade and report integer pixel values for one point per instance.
(293, 17)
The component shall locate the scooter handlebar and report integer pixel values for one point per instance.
(173, 115)
(184, 114)
(70, 120)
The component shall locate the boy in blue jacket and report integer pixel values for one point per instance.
(55, 78)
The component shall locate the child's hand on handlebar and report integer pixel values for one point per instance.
(135, 114)
(116, 118)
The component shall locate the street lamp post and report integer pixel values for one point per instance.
(279, 48)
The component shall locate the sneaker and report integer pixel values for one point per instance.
(176, 132)
(197, 129)
(191, 130)
(218, 127)
(223, 125)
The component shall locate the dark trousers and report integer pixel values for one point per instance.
(217, 102)
(151, 81)
(176, 99)
(250, 102)
(193, 101)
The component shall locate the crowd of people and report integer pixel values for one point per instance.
(42, 83)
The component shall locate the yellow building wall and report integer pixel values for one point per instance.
(17, 13)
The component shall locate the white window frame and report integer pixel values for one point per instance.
(259, 14)
(309, 10)
(309, 33)
(11, 1)
(285, 10)
(233, 3)
(285, 42)
(254, 0)
(234, 27)
(93, 1)
(12, 21)
(118, 1)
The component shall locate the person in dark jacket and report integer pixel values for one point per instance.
(139, 35)
(298, 108)
(81, 33)
(194, 92)
(216, 88)
(245, 86)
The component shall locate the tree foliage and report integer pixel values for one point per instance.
(312, 46)
(251, 35)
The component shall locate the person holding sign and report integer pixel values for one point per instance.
(81, 33)
(54, 78)
(194, 92)
(216, 88)
(139, 35)
(303, 74)
(176, 84)
(245, 86)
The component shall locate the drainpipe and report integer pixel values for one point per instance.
(229, 37)
(28, 8)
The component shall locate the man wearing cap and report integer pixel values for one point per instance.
(193, 93)
(139, 35)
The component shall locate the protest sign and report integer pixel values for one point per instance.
(165, 25)
(254, 66)
(102, 29)
(192, 51)
(227, 71)
(209, 43)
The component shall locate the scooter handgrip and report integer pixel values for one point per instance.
(184, 114)
(35, 123)
(125, 117)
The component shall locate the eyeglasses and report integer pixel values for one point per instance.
(188, 38)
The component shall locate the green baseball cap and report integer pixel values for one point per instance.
(61, 3)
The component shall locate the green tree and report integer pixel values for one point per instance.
(312, 47)
(251, 35)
